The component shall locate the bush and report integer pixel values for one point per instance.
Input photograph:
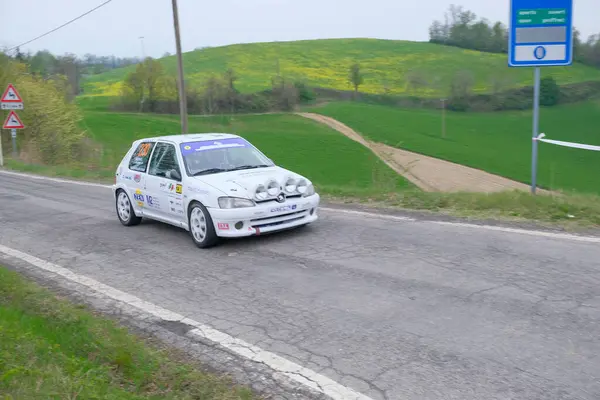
(305, 93)
(549, 91)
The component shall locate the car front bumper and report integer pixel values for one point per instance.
(266, 217)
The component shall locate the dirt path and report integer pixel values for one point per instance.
(428, 173)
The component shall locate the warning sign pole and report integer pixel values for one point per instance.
(13, 135)
(1, 157)
(11, 100)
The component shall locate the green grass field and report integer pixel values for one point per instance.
(325, 63)
(495, 142)
(52, 349)
(336, 164)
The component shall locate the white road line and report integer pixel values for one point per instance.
(280, 365)
(553, 235)
(48, 178)
(366, 214)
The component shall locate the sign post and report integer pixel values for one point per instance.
(13, 135)
(540, 35)
(11, 100)
(13, 122)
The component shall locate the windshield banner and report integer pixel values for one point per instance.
(193, 147)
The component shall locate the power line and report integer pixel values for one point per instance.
(63, 25)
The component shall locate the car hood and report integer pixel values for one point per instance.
(243, 183)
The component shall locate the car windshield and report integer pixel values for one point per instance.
(213, 156)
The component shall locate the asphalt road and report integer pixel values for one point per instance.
(393, 309)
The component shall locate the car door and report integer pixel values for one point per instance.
(164, 196)
(136, 176)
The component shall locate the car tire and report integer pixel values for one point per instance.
(125, 211)
(201, 227)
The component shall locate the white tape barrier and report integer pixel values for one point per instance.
(541, 136)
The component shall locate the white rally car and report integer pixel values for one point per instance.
(212, 185)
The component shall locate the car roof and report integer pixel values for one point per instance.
(190, 137)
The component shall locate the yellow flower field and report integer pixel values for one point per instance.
(386, 65)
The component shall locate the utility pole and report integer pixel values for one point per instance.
(182, 96)
(143, 88)
(143, 50)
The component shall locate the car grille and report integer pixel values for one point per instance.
(293, 196)
(278, 220)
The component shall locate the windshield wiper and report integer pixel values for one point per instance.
(249, 167)
(209, 171)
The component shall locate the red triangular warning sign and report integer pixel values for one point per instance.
(13, 121)
(11, 95)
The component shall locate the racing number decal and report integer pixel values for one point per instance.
(178, 189)
(144, 149)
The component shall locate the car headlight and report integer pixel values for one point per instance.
(302, 186)
(310, 190)
(290, 185)
(261, 193)
(273, 188)
(234, 202)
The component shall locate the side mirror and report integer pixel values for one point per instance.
(175, 174)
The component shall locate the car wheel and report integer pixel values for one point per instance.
(201, 226)
(125, 210)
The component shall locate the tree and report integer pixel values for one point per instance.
(355, 77)
(230, 78)
(499, 38)
(591, 51)
(460, 90)
(416, 81)
(68, 65)
(231, 93)
(146, 83)
(214, 91)
(43, 63)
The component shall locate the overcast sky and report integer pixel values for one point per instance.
(115, 28)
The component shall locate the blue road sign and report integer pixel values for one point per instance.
(540, 33)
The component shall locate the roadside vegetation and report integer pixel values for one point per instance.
(50, 348)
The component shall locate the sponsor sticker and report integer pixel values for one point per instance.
(194, 189)
(152, 202)
(178, 188)
(206, 145)
(137, 178)
(284, 208)
(223, 226)
(139, 197)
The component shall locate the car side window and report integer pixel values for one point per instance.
(164, 161)
(140, 157)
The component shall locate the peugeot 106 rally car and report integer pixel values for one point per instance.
(212, 185)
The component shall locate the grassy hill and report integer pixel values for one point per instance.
(325, 63)
(498, 142)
